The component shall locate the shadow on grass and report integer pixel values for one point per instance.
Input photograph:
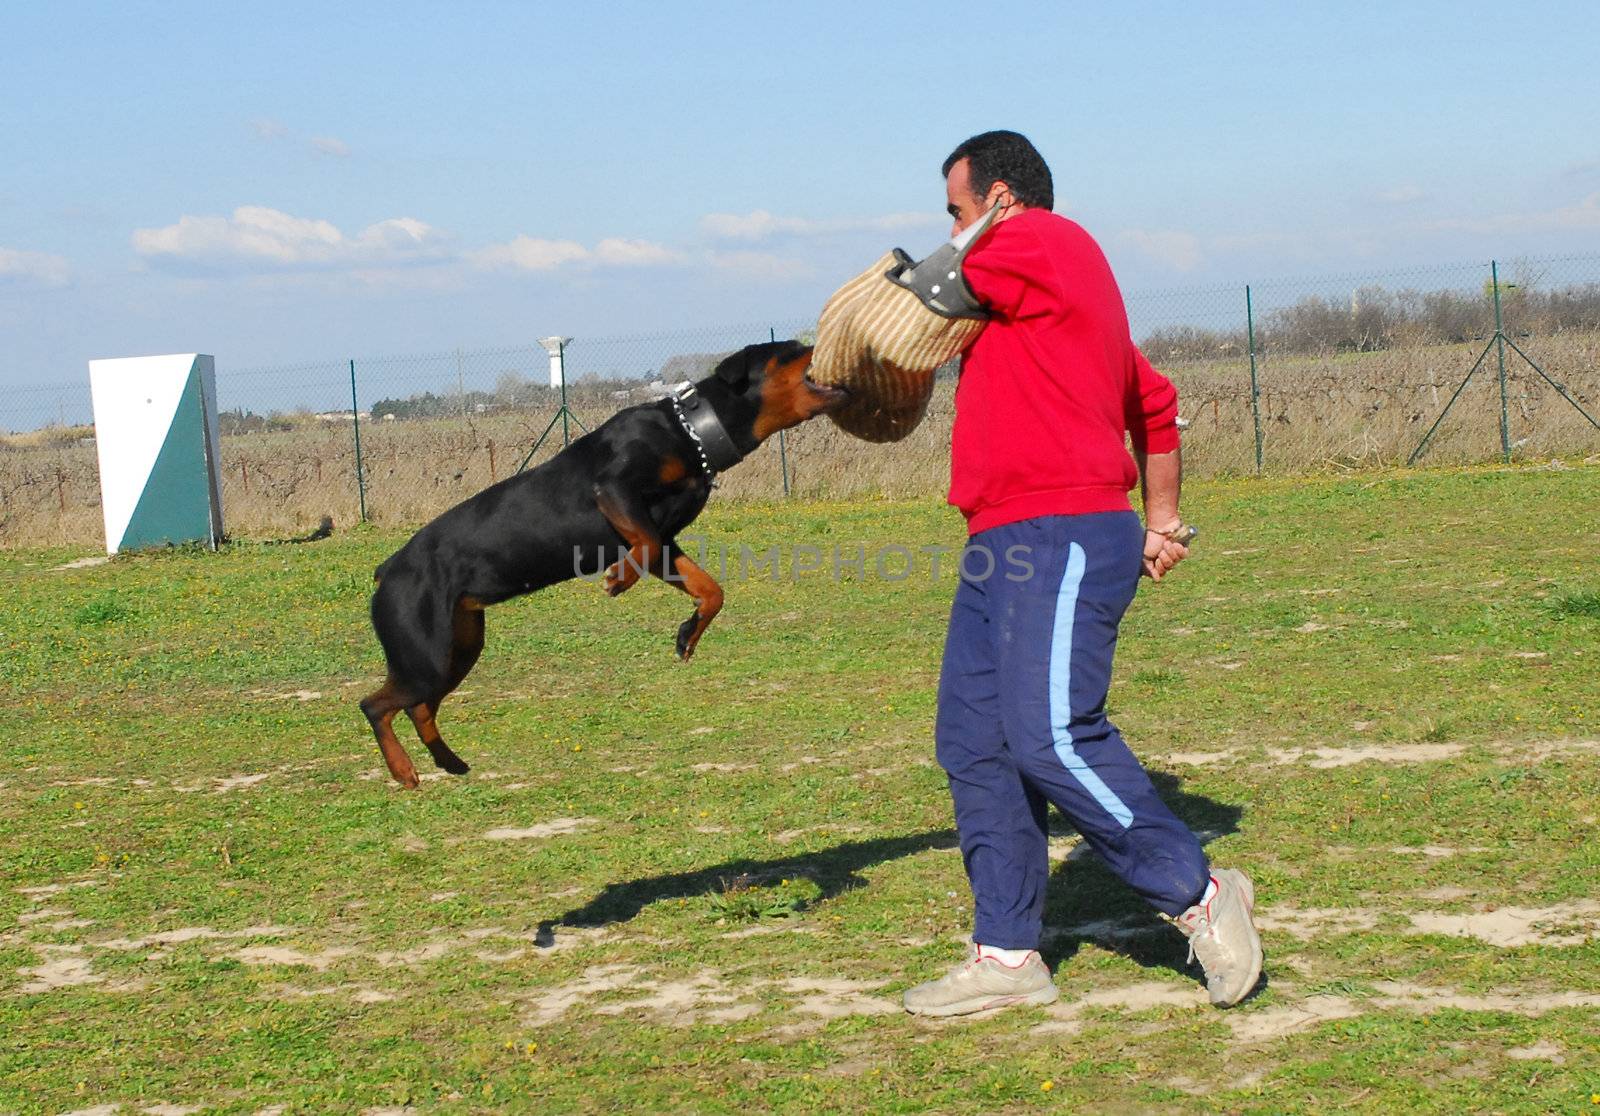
(1086, 903)
(834, 870)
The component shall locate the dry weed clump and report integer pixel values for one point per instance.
(1338, 410)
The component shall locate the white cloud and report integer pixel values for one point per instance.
(760, 225)
(763, 266)
(22, 268)
(1403, 195)
(1585, 215)
(632, 253)
(268, 129)
(328, 145)
(529, 253)
(1179, 251)
(256, 235)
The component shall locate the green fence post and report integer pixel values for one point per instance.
(1255, 386)
(1500, 353)
(355, 422)
(783, 446)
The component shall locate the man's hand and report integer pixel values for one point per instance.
(1162, 551)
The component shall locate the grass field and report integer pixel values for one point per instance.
(702, 887)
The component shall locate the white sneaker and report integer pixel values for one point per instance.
(1222, 934)
(981, 983)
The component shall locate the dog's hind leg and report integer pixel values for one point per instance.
(380, 707)
(413, 624)
(466, 644)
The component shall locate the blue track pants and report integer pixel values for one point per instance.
(1022, 722)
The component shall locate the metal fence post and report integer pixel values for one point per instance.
(355, 422)
(783, 446)
(1255, 386)
(1500, 354)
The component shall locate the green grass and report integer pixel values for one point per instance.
(747, 858)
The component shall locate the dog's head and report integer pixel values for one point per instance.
(763, 389)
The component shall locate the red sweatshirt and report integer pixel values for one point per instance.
(1052, 383)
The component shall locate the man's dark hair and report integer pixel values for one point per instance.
(1006, 157)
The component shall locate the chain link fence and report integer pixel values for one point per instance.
(1433, 365)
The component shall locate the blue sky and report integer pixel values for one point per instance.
(271, 183)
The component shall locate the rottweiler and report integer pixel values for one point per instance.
(626, 489)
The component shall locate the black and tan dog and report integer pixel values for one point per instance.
(624, 491)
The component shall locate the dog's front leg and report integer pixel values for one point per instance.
(628, 518)
(707, 594)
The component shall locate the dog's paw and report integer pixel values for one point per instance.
(686, 637)
(615, 582)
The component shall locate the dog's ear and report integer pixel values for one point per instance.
(735, 370)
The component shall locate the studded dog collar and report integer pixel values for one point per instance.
(699, 420)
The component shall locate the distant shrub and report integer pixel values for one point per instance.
(1374, 318)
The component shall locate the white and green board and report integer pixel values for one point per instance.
(155, 425)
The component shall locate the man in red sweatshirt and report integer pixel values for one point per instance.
(1040, 469)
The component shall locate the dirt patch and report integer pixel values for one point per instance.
(1306, 923)
(836, 998)
(1446, 894)
(64, 966)
(703, 997)
(234, 782)
(41, 892)
(1533, 752)
(358, 994)
(190, 934)
(1066, 1014)
(682, 1003)
(552, 1003)
(1199, 759)
(788, 836)
(556, 827)
(1564, 924)
(1422, 998)
(222, 784)
(1539, 1051)
(762, 929)
(1276, 1022)
(803, 762)
(82, 563)
(280, 955)
(1382, 753)
(39, 914)
(723, 767)
(1331, 757)
(1436, 850)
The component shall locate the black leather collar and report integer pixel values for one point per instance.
(699, 420)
